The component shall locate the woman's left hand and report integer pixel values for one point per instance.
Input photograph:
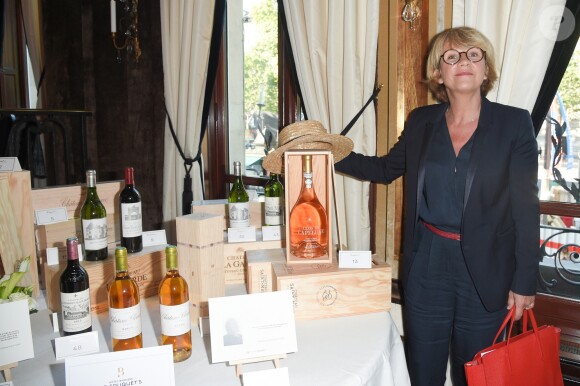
(521, 302)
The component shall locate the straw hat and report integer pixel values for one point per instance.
(306, 135)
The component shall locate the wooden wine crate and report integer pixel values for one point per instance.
(17, 226)
(323, 290)
(72, 198)
(322, 163)
(234, 264)
(147, 268)
(259, 268)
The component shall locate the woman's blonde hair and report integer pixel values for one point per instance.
(460, 36)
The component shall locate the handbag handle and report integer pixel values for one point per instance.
(510, 317)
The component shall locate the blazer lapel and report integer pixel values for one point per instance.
(428, 130)
(478, 149)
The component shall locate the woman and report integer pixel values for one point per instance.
(472, 221)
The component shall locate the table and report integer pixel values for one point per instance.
(346, 351)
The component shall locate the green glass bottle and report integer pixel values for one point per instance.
(239, 201)
(94, 222)
(274, 203)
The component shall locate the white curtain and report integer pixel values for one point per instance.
(523, 33)
(33, 32)
(335, 50)
(186, 28)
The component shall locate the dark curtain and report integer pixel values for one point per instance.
(563, 50)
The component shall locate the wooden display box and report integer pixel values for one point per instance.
(147, 268)
(72, 198)
(324, 290)
(322, 162)
(234, 264)
(17, 226)
(259, 268)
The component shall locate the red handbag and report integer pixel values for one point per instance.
(531, 358)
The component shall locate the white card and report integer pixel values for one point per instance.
(75, 345)
(278, 377)
(50, 216)
(241, 235)
(10, 164)
(355, 259)
(55, 325)
(7, 383)
(272, 232)
(251, 326)
(144, 366)
(152, 238)
(15, 332)
(52, 256)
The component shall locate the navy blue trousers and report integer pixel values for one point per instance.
(443, 313)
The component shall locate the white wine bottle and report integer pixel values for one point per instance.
(94, 222)
(274, 203)
(239, 201)
(174, 308)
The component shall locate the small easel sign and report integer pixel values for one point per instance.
(15, 336)
(252, 328)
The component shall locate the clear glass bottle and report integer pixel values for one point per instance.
(124, 306)
(239, 201)
(94, 222)
(308, 219)
(75, 298)
(274, 202)
(131, 216)
(174, 308)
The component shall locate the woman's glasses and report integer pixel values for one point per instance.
(474, 54)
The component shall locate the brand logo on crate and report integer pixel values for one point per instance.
(327, 295)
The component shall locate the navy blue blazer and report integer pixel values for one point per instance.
(501, 212)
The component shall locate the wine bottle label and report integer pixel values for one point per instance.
(175, 319)
(125, 322)
(239, 214)
(131, 219)
(95, 233)
(76, 311)
(273, 208)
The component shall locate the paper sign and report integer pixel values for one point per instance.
(251, 326)
(15, 332)
(241, 235)
(278, 377)
(144, 366)
(52, 256)
(55, 324)
(50, 216)
(10, 164)
(152, 238)
(355, 259)
(75, 345)
(272, 232)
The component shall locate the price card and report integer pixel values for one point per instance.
(241, 235)
(152, 238)
(272, 232)
(9, 164)
(50, 216)
(75, 345)
(355, 259)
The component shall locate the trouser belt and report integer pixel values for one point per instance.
(439, 232)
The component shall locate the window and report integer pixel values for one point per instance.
(559, 180)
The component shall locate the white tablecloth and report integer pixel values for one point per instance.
(347, 351)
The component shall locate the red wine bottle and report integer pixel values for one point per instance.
(74, 293)
(131, 217)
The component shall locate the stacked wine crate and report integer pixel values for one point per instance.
(207, 260)
(146, 267)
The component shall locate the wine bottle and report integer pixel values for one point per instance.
(75, 300)
(239, 205)
(274, 192)
(94, 222)
(174, 308)
(124, 307)
(308, 220)
(131, 218)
